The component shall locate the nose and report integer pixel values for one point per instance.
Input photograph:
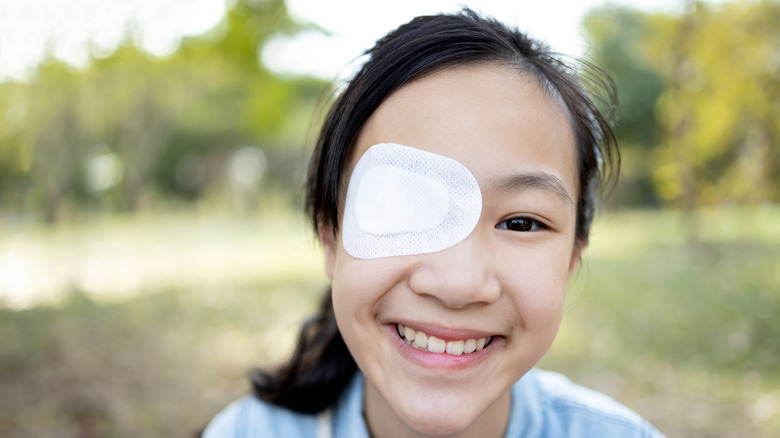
(458, 276)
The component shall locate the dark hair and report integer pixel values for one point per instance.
(321, 365)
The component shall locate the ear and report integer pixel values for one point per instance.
(576, 255)
(328, 241)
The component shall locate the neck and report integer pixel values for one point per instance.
(383, 422)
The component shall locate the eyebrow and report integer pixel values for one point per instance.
(535, 180)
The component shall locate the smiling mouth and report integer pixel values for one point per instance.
(423, 341)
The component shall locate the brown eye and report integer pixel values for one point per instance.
(522, 224)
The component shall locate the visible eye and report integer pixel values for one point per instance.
(524, 224)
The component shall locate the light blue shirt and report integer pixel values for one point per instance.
(544, 405)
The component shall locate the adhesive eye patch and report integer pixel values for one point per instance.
(405, 201)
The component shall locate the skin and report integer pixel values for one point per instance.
(500, 281)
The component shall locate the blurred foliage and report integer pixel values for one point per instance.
(699, 118)
(698, 122)
(721, 110)
(618, 36)
(130, 123)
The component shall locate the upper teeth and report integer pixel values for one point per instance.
(433, 344)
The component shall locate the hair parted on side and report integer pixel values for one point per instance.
(321, 366)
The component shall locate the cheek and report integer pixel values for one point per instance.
(351, 278)
(348, 298)
(359, 287)
(537, 284)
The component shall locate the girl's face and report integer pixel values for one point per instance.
(505, 282)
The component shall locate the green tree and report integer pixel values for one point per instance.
(619, 36)
(53, 134)
(238, 101)
(720, 111)
(132, 107)
(15, 160)
(166, 117)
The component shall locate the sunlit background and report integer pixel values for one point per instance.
(152, 246)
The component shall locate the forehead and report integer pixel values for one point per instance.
(492, 118)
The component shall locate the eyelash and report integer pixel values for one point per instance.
(523, 223)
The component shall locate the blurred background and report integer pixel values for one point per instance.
(152, 246)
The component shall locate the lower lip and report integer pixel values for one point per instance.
(440, 361)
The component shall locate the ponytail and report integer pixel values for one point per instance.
(318, 371)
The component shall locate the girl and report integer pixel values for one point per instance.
(452, 189)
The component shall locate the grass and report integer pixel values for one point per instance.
(684, 332)
(147, 324)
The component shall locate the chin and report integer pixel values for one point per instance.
(437, 428)
(437, 420)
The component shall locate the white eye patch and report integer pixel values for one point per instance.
(405, 201)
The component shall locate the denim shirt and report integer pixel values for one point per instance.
(544, 404)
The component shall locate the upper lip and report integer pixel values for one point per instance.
(446, 333)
